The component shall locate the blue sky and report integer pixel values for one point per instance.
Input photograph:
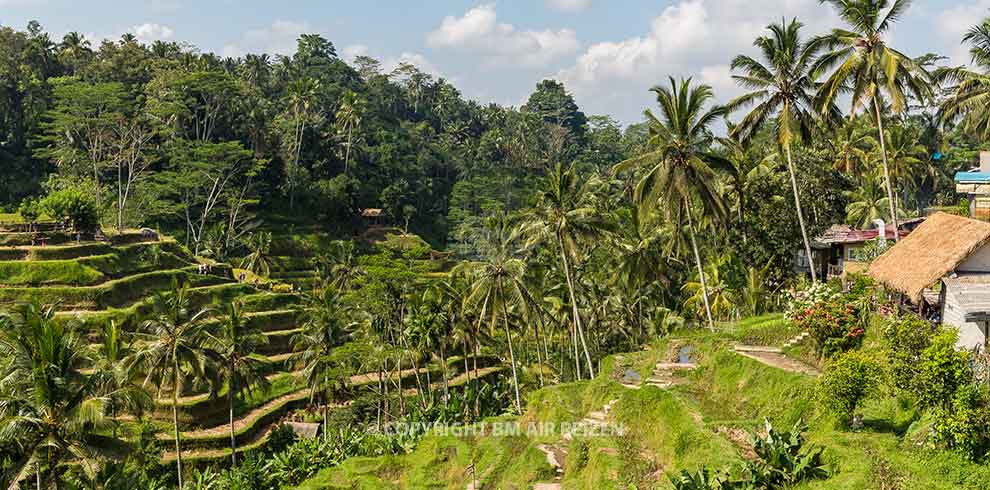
(608, 52)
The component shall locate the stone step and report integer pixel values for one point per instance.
(675, 366)
(596, 416)
(756, 348)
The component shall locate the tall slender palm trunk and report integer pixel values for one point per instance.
(175, 419)
(230, 405)
(574, 306)
(701, 270)
(800, 214)
(512, 357)
(886, 171)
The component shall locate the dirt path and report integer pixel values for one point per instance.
(775, 358)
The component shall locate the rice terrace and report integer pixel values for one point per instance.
(549, 245)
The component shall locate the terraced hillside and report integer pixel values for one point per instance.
(94, 282)
(683, 403)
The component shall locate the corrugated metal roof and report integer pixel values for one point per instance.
(973, 177)
(847, 234)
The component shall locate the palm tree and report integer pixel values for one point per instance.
(750, 163)
(565, 218)
(324, 329)
(679, 163)
(866, 203)
(339, 266)
(116, 374)
(971, 92)
(850, 143)
(235, 346)
(782, 90)
(908, 161)
(868, 70)
(259, 261)
(348, 119)
(50, 412)
(174, 350)
(301, 98)
(498, 284)
(721, 295)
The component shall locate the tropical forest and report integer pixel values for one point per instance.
(321, 270)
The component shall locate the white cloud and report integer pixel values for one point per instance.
(150, 32)
(687, 38)
(952, 23)
(277, 38)
(392, 62)
(353, 51)
(568, 5)
(478, 30)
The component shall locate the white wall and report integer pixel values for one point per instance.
(978, 262)
(970, 334)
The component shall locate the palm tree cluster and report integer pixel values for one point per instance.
(63, 398)
(687, 224)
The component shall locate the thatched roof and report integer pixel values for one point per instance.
(933, 250)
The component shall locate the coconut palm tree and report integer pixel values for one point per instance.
(679, 166)
(235, 345)
(347, 120)
(51, 414)
(324, 328)
(301, 101)
(565, 218)
(867, 202)
(908, 161)
(721, 295)
(970, 99)
(497, 284)
(867, 70)
(174, 351)
(783, 87)
(116, 375)
(851, 143)
(259, 261)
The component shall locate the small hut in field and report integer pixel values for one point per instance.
(948, 258)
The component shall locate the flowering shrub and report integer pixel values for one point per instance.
(832, 320)
(800, 301)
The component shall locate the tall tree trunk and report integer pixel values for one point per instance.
(574, 306)
(381, 390)
(800, 214)
(512, 358)
(347, 154)
(701, 270)
(443, 372)
(175, 419)
(572, 333)
(886, 171)
(233, 440)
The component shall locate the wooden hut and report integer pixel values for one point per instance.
(949, 255)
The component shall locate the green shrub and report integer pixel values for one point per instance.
(942, 370)
(905, 340)
(963, 425)
(847, 381)
(72, 206)
(30, 210)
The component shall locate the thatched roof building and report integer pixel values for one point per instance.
(935, 249)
